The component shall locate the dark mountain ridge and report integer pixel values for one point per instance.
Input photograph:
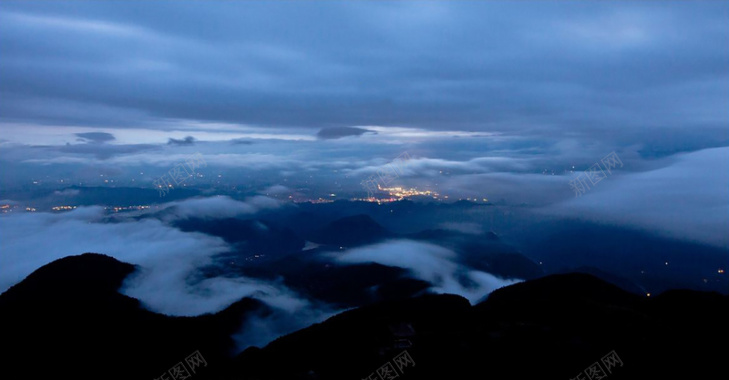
(68, 318)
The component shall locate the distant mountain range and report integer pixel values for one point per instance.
(68, 319)
(351, 231)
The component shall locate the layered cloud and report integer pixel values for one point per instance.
(188, 140)
(462, 66)
(339, 132)
(216, 207)
(96, 137)
(168, 280)
(427, 262)
(685, 198)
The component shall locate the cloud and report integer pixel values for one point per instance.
(506, 170)
(241, 141)
(339, 132)
(167, 281)
(103, 151)
(427, 262)
(35, 239)
(599, 68)
(260, 330)
(217, 207)
(683, 197)
(188, 140)
(96, 137)
(179, 289)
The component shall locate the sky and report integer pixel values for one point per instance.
(507, 101)
(616, 71)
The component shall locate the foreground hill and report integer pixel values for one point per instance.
(68, 318)
(550, 328)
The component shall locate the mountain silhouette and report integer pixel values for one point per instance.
(69, 318)
(351, 231)
(550, 328)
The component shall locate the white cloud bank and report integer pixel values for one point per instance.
(427, 262)
(168, 280)
(168, 258)
(687, 198)
(217, 207)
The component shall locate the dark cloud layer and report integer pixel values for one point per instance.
(101, 151)
(241, 142)
(96, 137)
(188, 140)
(550, 68)
(339, 132)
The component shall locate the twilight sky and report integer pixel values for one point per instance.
(505, 100)
(554, 69)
